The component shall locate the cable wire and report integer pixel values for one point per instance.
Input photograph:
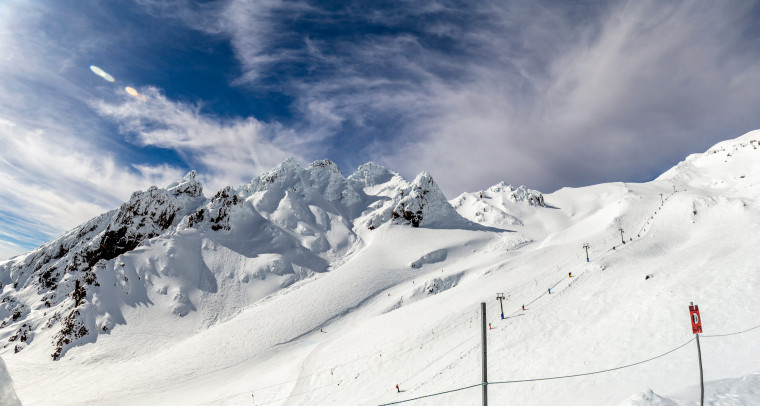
(592, 373)
(369, 355)
(431, 395)
(441, 356)
(729, 334)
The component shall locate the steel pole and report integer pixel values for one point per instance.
(701, 376)
(485, 363)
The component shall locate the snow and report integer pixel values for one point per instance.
(743, 391)
(306, 287)
(7, 394)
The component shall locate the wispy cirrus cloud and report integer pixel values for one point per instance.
(52, 181)
(545, 93)
(58, 165)
(225, 151)
(63, 161)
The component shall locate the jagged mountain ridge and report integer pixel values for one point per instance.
(282, 227)
(497, 205)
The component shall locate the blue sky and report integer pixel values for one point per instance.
(546, 94)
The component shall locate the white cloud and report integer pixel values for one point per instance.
(255, 32)
(546, 95)
(229, 151)
(54, 181)
(8, 249)
(59, 163)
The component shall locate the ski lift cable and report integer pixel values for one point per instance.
(594, 372)
(729, 334)
(580, 374)
(332, 383)
(468, 340)
(510, 381)
(431, 395)
(371, 354)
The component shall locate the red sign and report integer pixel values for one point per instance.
(696, 321)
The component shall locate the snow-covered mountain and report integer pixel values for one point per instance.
(174, 248)
(309, 287)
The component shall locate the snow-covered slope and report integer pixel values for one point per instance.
(306, 287)
(7, 394)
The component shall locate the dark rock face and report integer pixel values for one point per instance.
(189, 186)
(217, 211)
(325, 163)
(417, 204)
(414, 218)
(72, 329)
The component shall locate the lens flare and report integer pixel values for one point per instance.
(100, 72)
(134, 93)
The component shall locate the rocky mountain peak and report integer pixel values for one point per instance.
(371, 174)
(188, 185)
(286, 173)
(326, 164)
(424, 204)
(519, 194)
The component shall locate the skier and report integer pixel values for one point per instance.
(550, 291)
(523, 307)
(569, 274)
(489, 326)
(397, 389)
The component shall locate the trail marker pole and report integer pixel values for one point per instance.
(701, 376)
(696, 328)
(500, 298)
(586, 246)
(485, 364)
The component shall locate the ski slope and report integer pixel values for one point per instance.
(401, 304)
